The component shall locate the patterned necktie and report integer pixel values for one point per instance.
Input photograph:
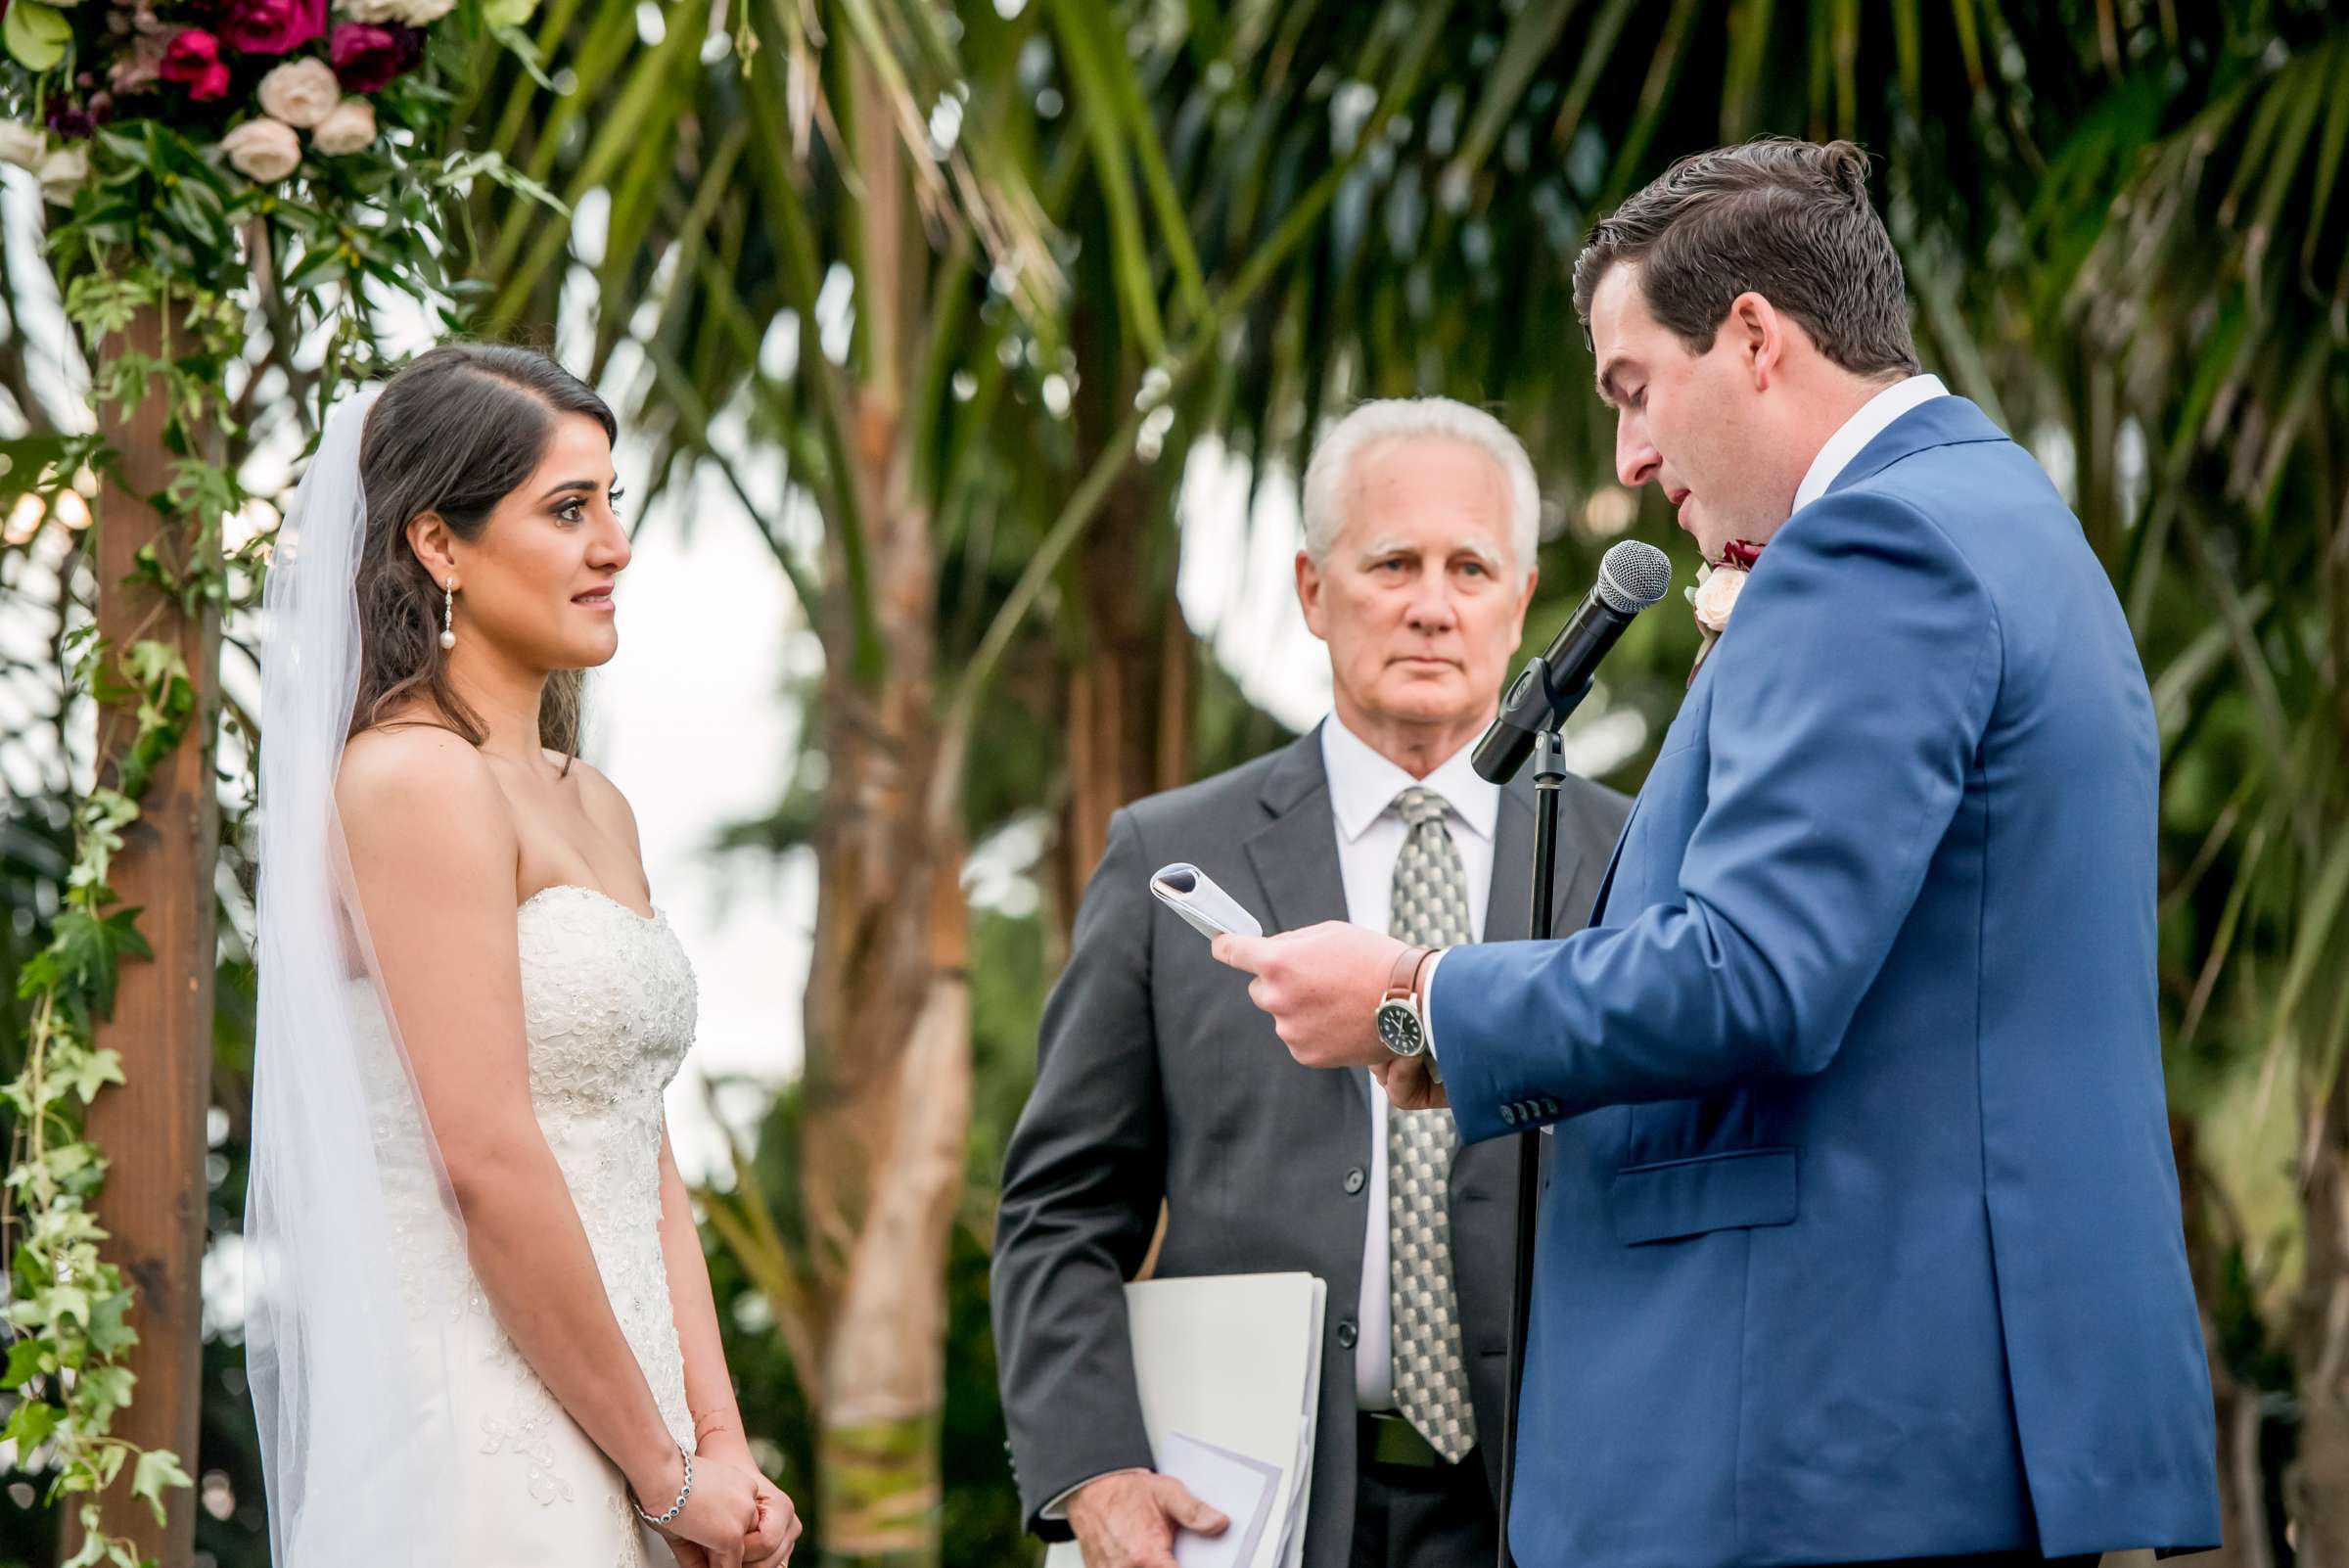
(1431, 1375)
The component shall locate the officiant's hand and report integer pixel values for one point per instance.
(1129, 1519)
(1322, 985)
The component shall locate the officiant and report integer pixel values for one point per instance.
(1159, 1089)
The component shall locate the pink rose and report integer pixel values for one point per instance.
(194, 58)
(272, 26)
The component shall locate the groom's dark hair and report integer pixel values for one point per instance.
(1787, 220)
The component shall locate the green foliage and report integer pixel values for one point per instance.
(163, 230)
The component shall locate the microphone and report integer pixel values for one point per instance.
(1632, 575)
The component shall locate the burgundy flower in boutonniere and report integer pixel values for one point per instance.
(1718, 584)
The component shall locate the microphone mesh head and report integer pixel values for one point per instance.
(1633, 576)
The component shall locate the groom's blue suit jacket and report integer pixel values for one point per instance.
(1862, 1238)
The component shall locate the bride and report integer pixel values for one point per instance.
(478, 1323)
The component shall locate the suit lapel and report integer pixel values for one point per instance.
(1296, 853)
(1295, 857)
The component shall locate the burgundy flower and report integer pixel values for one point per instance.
(367, 55)
(193, 58)
(70, 120)
(271, 27)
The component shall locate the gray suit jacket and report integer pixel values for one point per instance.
(1158, 1080)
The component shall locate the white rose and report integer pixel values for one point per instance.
(63, 172)
(300, 92)
(413, 12)
(263, 150)
(1716, 596)
(350, 128)
(21, 144)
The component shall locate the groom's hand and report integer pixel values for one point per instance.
(1409, 1085)
(1322, 987)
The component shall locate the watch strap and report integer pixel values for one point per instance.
(1403, 978)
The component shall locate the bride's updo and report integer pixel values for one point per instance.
(455, 432)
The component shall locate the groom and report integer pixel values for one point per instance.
(1862, 1240)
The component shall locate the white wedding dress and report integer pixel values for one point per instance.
(609, 1006)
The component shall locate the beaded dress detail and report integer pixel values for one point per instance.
(609, 1010)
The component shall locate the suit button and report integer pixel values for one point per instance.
(1355, 1180)
(1508, 1115)
(1347, 1333)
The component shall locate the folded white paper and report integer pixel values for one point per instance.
(1230, 1363)
(1193, 895)
(1238, 1488)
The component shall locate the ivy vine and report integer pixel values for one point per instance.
(164, 224)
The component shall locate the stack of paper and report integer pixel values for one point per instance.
(1230, 1373)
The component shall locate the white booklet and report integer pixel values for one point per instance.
(1230, 1369)
(1193, 895)
(1238, 1488)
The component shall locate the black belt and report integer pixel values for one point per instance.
(1387, 1438)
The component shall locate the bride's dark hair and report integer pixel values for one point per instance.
(455, 432)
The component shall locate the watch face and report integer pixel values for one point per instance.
(1398, 1028)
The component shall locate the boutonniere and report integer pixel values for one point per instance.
(1718, 584)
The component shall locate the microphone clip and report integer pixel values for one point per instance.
(1533, 706)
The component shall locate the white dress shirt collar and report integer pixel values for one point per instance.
(1873, 418)
(1362, 784)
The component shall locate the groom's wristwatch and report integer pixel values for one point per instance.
(1401, 1025)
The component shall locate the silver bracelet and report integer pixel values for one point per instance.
(683, 1492)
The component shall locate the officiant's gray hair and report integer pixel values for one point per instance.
(1329, 476)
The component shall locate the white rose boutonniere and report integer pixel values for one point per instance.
(1715, 596)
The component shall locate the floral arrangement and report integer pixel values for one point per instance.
(164, 124)
(187, 62)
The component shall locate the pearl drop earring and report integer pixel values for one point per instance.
(448, 615)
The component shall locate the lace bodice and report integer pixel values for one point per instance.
(609, 1003)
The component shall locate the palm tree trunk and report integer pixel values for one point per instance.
(2319, 1501)
(889, 1060)
(151, 1128)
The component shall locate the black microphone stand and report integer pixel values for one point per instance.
(1550, 775)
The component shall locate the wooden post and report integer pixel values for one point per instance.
(150, 1130)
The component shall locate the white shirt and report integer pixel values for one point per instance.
(1363, 786)
(1871, 420)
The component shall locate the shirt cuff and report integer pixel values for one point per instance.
(1057, 1510)
(1427, 1012)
